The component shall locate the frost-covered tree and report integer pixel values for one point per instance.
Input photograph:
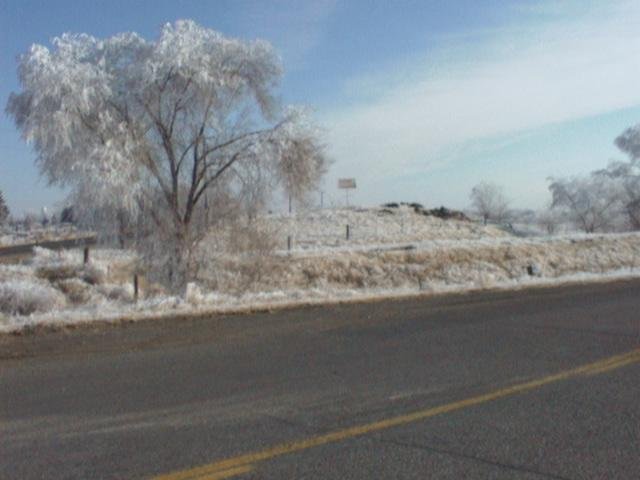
(4, 209)
(626, 176)
(165, 129)
(625, 179)
(549, 219)
(489, 202)
(591, 203)
(629, 142)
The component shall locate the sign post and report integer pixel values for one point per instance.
(347, 184)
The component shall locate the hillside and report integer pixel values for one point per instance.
(390, 252)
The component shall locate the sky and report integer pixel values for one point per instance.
(418, 100)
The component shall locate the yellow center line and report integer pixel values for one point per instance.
(614, 365)
(246, 460)
(222, 474)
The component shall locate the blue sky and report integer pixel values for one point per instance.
(419, 100)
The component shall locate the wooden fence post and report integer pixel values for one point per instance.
(135, 287)
(86, 255)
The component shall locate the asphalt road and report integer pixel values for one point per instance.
(528, 385)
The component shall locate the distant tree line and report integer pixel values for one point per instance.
(604, 200)
(4, 209)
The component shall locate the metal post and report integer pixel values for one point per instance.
(289, 242)
(86, 255)
(348, 232)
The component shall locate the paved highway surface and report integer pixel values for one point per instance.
(539, 384)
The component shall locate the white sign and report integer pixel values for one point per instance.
(346, 183)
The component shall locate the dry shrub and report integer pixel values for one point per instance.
(250, 239)
(76, 290)
(151, 290)
(56, 272)
(115, 292)
(24, 298)
(92, 274)
(239, 257)
(53, 273)
(74, 282)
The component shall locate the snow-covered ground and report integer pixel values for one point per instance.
(390, 253)
(326, 229)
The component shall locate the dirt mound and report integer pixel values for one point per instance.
(444, 213)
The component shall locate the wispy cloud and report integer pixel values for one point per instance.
(544, 67)
(295, 27)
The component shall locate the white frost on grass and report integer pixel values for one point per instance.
(443, 257)
(211, 303)
(23, 297)
(58, 283)
(327, 229)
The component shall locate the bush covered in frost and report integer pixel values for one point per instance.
(23, 297)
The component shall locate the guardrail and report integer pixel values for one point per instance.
(66, 243)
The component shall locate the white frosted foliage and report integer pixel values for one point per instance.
(149, 128)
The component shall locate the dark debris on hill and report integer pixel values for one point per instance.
(442, 212)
